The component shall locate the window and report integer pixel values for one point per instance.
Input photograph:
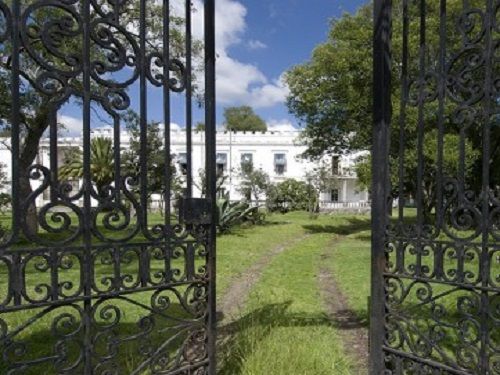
(279, 164)
(247, 161)
(221, 162)
(182, 161)
(221, 193)
(334, 197)
(335, 165)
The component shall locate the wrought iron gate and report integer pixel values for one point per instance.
(436, 259)
(93, 281)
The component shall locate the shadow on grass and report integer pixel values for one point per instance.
(54, 344)
(237, 340)
(349, 226)
(242, 230)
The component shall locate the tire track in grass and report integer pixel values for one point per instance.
(235, 297)
(351, 328)
(284, 327)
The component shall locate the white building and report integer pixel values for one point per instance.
(277, 153)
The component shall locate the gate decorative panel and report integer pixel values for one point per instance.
(106, 257)
(436, 258)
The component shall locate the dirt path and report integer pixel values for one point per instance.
(352, 330)
(236, 296)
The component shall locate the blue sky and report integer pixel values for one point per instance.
(257, 41)
(279, 34)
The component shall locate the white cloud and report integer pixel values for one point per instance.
(280, 125)
(237, 82)
(173, 126)
(256, 44)
(72, 126)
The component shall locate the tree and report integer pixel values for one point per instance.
(102, 164)
(201, 184)
(200, 126)
(155, 157)
(5, 198)
(332, 93)
(254, 182)
(450, 167)
(321, 178)
(243, 119)
(43, 92)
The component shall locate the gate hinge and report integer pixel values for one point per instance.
(195, 211)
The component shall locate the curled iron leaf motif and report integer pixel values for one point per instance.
(176, 81)
(471, 24)
(83, 259)
(119, 52)
(5, 22)
(61, 24)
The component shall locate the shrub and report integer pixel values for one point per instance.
(290, 195)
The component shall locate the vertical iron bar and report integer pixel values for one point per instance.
(17, 282)
(210, 151)
(489, 81)
(143, 124)
(166, 111)
(87, 182)
(16, 109)
(382, 119)
(441, 115)
(117, 155)
(189, 104)
(53, 154)
(402, 118)
(421, 122)
(167, 253)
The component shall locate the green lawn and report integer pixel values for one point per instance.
(283, 328)
(284, 308)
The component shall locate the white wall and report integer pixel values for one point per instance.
(262, 145)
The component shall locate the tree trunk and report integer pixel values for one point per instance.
(28, 152)
(29, 216)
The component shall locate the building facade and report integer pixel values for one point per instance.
(277, 153)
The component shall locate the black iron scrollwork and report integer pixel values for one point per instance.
(89, 284)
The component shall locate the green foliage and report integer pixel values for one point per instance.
(201, 184)
(243, 119)
(64, 55)
(102, 163)
(322, 178)
(332, 93)
(155, 157)
(200, 127)
(450, 166)
(291, 195)
(230, 214)
(254, 182)
(5, 202)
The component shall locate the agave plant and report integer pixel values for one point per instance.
(230, 214)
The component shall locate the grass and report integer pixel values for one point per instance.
(283, 328)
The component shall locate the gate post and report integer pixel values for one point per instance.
(211, 178)
(380, 170)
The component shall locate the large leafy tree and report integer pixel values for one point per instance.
(55, 37)
(243, 118)
(332, 94)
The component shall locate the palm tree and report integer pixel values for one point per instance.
(101, 163)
